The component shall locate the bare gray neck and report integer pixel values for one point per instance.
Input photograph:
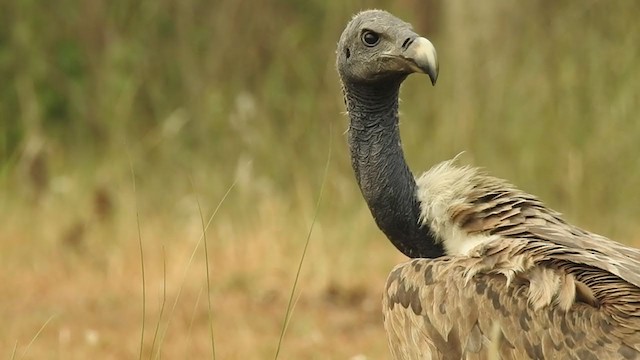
(382, 173)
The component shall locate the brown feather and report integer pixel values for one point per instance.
(531, 286)
(466, 321)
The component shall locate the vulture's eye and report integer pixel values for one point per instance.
(370, 38)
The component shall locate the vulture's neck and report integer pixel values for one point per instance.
(382, 173)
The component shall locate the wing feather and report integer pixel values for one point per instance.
(486, 318)
(493, 207)
(521, 281)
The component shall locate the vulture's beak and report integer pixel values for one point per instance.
(422, 57)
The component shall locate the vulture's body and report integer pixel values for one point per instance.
(500, 275)
(521, 284)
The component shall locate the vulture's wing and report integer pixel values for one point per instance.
(432, 310)
(512, 214)
(526, 285)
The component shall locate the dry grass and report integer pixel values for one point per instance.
(93, 290)
(545, 94)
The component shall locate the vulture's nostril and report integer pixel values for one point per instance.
(406, 43)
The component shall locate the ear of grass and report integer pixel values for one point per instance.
(206, 263)
(144, 292)
(290, 305)
(164, 301)
(26, 350)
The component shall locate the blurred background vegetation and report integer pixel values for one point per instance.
(194, 95)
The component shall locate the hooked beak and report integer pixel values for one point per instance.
(422, 57)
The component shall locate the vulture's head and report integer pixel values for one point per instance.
(378, 46)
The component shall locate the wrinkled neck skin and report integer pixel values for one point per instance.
(385, 180)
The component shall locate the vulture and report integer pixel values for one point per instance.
(494, 274)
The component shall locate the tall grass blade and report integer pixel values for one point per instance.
(206, 262)
(15, 348)
(193, 316)
(193, 253)
(289, 311)
(144, 292)
(164, 301)
(26, 350)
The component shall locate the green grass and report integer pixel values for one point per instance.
(543, 94)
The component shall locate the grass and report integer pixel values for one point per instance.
(99, 294)
(142, 279)
(207, 271)
(544, 94)
(296, 281)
